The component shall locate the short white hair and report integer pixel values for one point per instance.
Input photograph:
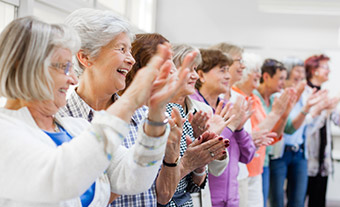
(291, 62)
(180, 51)
(96, 29)
(26, 46)
(253, 63)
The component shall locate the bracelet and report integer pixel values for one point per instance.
(304, 113)
(199, 174)
(172, 164)
(156, 123)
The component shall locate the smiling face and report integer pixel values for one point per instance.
(322, 72)
(254, 79)
(60, 79)
(276, 83)
(114, 61)
(216, 80)
(236, 69)
(297, 74)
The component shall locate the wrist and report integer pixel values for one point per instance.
(200, 174)
(172, 164)
(161, 119)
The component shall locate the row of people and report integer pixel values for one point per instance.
(147, 124)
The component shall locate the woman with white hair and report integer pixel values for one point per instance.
(47, 160)
(261, 125)
(291, 164)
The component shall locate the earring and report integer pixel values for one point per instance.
(316, 73)
(88, 64)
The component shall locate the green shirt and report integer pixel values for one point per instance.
(289, 129)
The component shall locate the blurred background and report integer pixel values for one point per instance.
(271, 28)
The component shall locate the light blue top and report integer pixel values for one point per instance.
(59, 138)
(297, 137)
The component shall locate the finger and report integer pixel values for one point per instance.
(165, 70)
(219, 107)
(177, 117)
(163, 53)
(190, 117)
(226, 108)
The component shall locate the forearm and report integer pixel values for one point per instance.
(269, 122)
(166, 183)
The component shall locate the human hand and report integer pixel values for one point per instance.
(166, 85)
(280, 103)
(198, 122)
(263, 137)
(172, 150)
(222, 118)
(203, 150)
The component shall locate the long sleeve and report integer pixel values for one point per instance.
(246, 145)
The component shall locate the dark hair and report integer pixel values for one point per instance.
(270, 66)
(143, 48)
(312, 63)
(210, 59)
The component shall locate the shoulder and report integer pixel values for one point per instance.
(198, 105)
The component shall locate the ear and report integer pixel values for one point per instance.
(265, 76)
(201, 75)
(83, 59)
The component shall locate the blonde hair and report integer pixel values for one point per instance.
(228, 48)
(26, 46)
(180, 51)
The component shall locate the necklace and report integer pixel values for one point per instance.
(56, 127)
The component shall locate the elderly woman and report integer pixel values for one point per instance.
(318, 133)
(47, 160)
(259, 122)
(173, 185)
(102, 63)
(291, 164)
(213, 81)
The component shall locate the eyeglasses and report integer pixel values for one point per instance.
(239, 60)
(326, 67)
(62, 66)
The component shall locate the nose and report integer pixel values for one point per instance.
(129, 59)
(72, 78)
(227, 75)
(194, 75)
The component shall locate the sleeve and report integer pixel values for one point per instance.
(289, 128)
(335, 117)
(217, 167)
(246, 145)
(133, 170)
(32, 169)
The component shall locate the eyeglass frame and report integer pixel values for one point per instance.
(62, 66)
(240, 60)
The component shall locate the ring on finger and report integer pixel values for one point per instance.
(211, 153)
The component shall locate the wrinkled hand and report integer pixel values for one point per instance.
(172, 150)
(198, 122)
(202, 151)
(263, 137)
(280, 104)
(222, 118)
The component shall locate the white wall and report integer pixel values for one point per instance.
(206, 22)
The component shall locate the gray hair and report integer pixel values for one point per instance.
(228, 48)
(180, 51)
(96, 29)
(253, 63)
(291, 62)
(26, 46)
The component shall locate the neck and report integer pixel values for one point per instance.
(265, 93)
(41, 113)
(179, 99)
(210, 97)
(92, 95)
(245, 88)
(315, 81)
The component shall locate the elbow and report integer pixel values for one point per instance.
(164, 196)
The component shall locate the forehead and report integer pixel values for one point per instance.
(298, 68)
(60, 54)
(122, 39)
(280, 73)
